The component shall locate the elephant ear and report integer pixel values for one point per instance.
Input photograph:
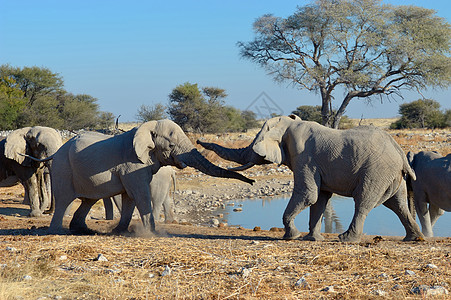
(16, 143)
(143, 140)
(268, 144)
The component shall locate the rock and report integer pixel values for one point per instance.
(380, 293)
(410, 273)
(257, 228)
(426, 290)
(27, 277)
(63, 257)
(244, 272)
(431, 266)
(12, 249)
(383, 275)
(302, 282)
(238, 209)
(214, 222)
(167, 271)
(328, 289)
(397, 287)
(100, 257)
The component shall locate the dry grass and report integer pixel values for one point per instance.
(216, 263)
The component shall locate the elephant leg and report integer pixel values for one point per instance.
(435, 212)
(78, 222)
(62, 203)
(109, 212)
(421, 207)
(145, 210)
(31, 188)
(355, 229)
(168, 205)
(398, 204)
(45, 191)
(298, 202)
(127, 206)
(316, 214)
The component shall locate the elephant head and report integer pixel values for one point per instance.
(39, 142)
(164, 142)
(267, 146)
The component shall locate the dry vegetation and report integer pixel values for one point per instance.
(214, 263)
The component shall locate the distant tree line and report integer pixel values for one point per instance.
(200, 110)
(32, 96)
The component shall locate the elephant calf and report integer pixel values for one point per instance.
(433, 186)
(160, 187)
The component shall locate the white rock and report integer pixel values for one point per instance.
(431, 266)
(100, 257)
(329, 289)
(167, 271)
(12, 249)
(27, 277)
(380, 293)
(302, 282)
(63, 257)
(410, 273)
(245, 272)
(214, 221)
(426, 290)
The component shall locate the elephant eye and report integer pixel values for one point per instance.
(171, 145)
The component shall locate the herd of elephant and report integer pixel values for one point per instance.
(364, 163)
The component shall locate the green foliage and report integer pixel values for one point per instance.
(363, 46)
(148, 113)
(203, 110)
(32, 96)
(422, 114)
(11, 103)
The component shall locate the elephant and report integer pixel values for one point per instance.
(39, 142)
(92, 166)
(364, 163)
(160, 187)
(432, 185)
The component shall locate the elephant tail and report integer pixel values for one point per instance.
(174, 182)
(407, 170)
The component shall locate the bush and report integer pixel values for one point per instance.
(423, 113)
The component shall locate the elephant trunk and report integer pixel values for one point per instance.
(239, 155)
(196, 160)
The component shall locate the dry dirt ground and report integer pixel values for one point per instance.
(195, 260)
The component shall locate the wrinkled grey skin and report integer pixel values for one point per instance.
(160, 187)
(39, 142)
(363, 163)
(432, 186)
(93, 166)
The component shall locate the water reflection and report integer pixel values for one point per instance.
(267, 213)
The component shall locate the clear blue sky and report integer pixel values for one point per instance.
(129, 53)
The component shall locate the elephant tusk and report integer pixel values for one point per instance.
(243, 167)
(37, 159)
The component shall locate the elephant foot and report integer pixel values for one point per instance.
(291, 234)
(349, 237)
(81, 229)
(414, 237)
(313, 237)
(35, 213)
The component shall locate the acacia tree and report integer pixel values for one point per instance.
(361, 46)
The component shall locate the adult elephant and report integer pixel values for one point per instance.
(364, 163)
(432, 186)
(39, 142)
(160, 195)
(92, 166)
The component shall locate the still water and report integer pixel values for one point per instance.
(267, 213)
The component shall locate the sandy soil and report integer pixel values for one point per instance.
(194, 259)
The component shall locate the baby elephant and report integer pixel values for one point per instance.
(433, 186)
(160, 187)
